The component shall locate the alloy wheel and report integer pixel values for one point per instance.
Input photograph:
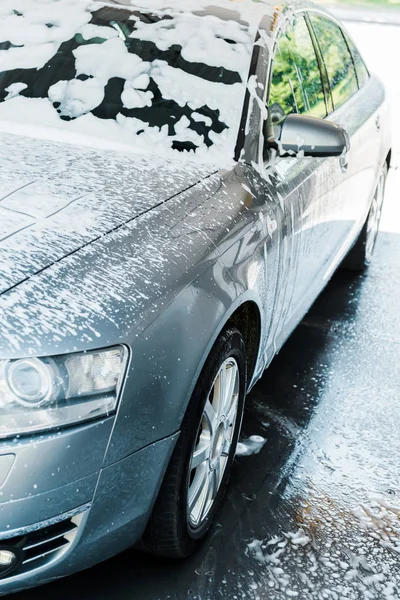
(213, 442)
(374, 218)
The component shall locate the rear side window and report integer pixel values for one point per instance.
(296, 84)
(361, 69)
(337, 58)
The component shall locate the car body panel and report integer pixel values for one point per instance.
(39, 460)
(333, 205)
(37, 508)
(136, 488)
(58, 197)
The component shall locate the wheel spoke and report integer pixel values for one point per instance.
(217, 476)
(202, 452)
(210, 416)
(219, 392)
(226, 447)
(231, 416)
(198, 492)
(206, 497)
(229, 389)
(209, 497)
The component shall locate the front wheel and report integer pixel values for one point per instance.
(197, 476)
(360, 255)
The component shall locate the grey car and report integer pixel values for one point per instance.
(179, 181)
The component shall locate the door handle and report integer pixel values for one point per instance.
(344, 162)
(378, 122)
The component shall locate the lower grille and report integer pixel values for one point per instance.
(40, 547)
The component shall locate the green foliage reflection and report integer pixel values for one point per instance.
(296, 80)
(338, 61)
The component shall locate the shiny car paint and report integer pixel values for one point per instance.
(174, 251)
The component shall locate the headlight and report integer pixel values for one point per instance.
(42, 393)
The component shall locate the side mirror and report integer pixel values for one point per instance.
(311, 137)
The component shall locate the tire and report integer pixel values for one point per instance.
(175, 530)
(360, 255)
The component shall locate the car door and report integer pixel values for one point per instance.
(355, 106)
(305, 185)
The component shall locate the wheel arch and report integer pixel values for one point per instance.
(169, 356)
(247, 319)
(245, 314)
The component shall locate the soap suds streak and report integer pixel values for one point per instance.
(75, 196)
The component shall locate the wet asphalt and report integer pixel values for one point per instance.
(316, 513)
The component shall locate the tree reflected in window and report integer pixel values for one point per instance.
(338, 61)
(361, 69)
(296, 80)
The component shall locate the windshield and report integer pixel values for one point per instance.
(165, 83)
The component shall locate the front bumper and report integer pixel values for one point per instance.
(65, 510)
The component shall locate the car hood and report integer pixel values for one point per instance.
(56, 198)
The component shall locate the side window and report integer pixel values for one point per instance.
(361, 69)
(296, 79)
(337, 58)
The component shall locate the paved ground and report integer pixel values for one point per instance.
(315, 514)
